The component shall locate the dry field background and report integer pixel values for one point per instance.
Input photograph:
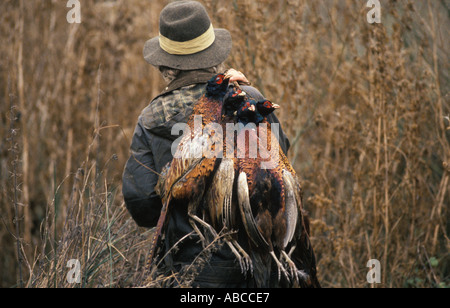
(365, 106)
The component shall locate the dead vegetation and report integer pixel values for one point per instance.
(366, 108)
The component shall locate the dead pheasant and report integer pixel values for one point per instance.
(237, 191)
(195, 174)
(270, 202)
(190, 170)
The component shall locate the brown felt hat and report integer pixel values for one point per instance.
(187, 39)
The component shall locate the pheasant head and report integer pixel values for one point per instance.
(265, 108)
(247, 112)
(233, 100)
(217, 87)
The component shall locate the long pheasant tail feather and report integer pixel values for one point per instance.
(247, 215)
(227, 171)
(291, 207)
(157, 234)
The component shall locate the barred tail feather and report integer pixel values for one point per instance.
(157, 234)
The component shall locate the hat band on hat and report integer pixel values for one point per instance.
(189, 47)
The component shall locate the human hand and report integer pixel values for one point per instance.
(236, 76)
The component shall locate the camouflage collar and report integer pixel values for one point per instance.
(187, 78)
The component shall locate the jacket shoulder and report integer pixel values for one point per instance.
(253, 92)
(173, 106)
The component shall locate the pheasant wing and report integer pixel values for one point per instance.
(220, 195)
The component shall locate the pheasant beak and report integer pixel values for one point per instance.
(275, 106)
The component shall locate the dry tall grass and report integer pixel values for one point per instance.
(365, 106)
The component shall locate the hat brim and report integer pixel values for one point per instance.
(214, 55)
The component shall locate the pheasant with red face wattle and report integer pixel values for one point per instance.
(270, 204)
(246, 112)
(252, 111)
(216, 87)
(265, 108)
(233, 100)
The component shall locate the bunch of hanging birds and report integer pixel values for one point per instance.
(261, 205)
